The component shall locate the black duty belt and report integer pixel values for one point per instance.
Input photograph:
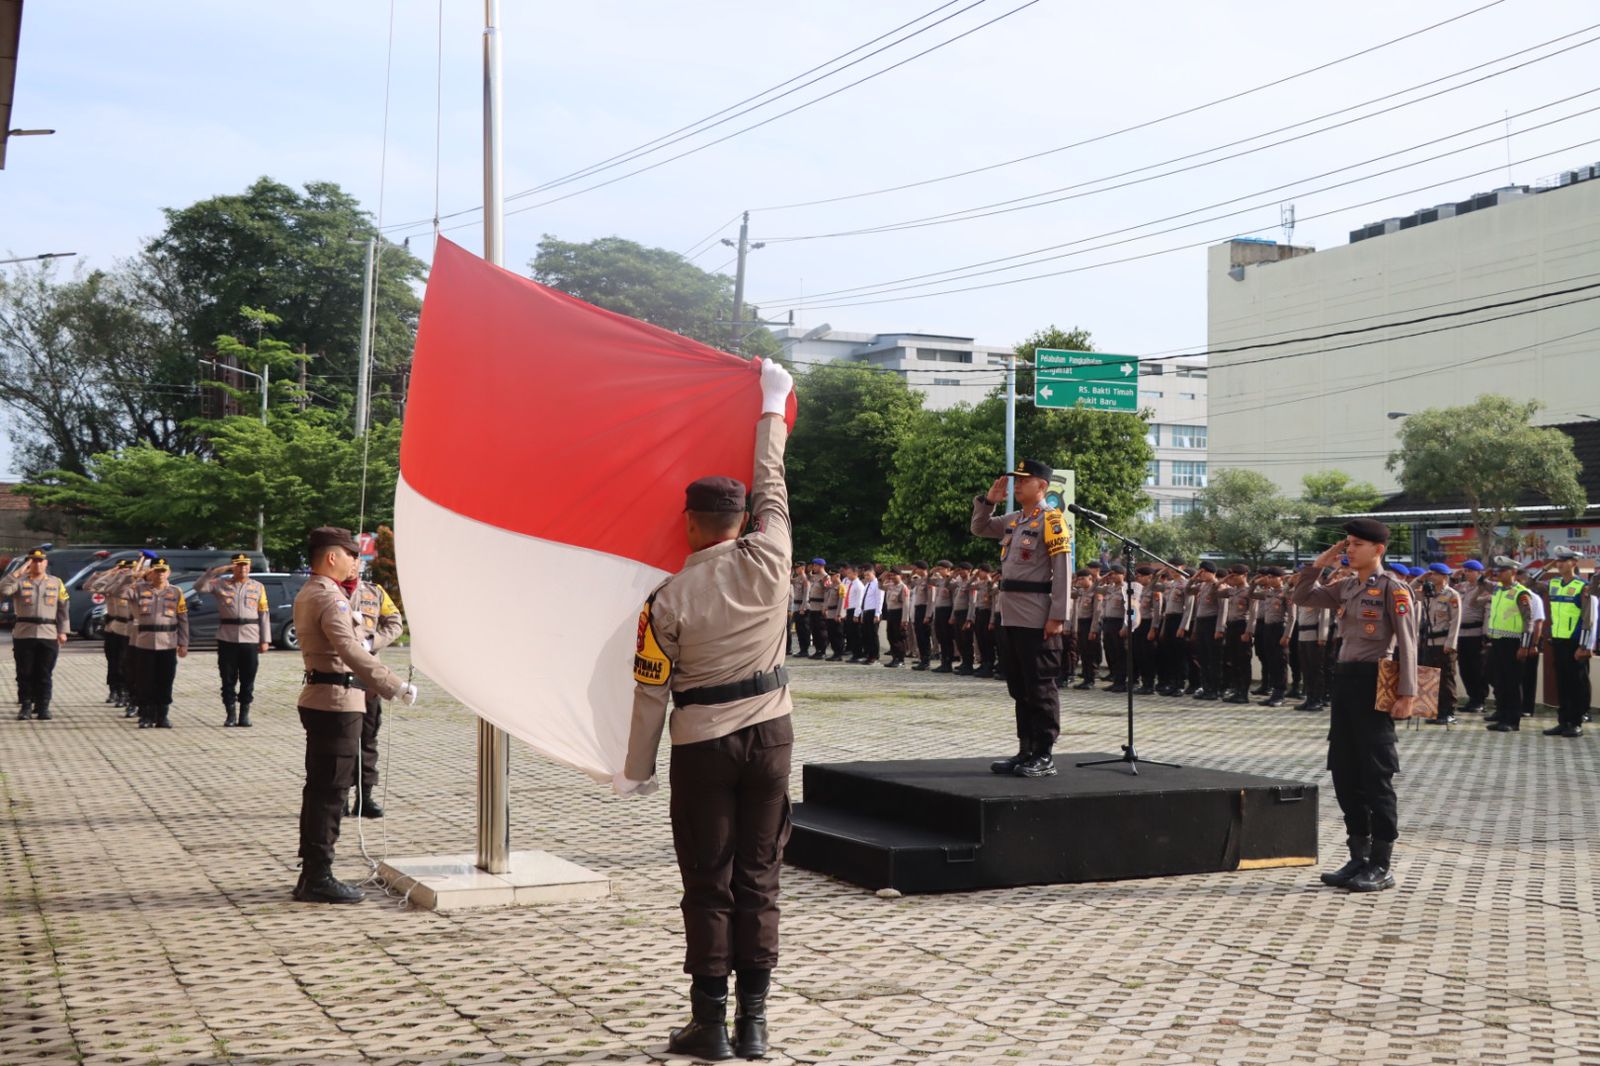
(236, 621)
(758, 685)
(1012, 585)
(37, 621)
(157, 629)
(327, 677)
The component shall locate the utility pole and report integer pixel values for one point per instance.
(305, 396)
(1011, 429)
(364, 356)
(736, 327)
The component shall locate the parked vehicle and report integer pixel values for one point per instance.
(185, 562)
(65, 563)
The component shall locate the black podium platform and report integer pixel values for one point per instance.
(946, 825)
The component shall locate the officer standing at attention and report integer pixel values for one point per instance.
(980, 617)
(896, 601)
(41, 627)
(1471, 655)
(1116, 614)
(1361, 751)
(943, 631)
(711, 639)
(1312, 628)
(832, 612)
(1267, 630)
(244, 633)
(160, 638)
(1085, 606)
(381, 625)
(1513, 633)
(112, 584)
(339, 669)
(1569, 621)
(797, 611)
(1200, 626)
(816, 597)
(1441, 630)
(1035, 549)
(922, 613)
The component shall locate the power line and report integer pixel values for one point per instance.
(1018, 203)
(1175, 248)
(1033, 256)
(782, 114)
(1140, 125)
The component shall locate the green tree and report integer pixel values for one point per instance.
(1334, 492)
(851, 421)
(1241, 514)
(1489, 454)
(1169, 538)
(651, 284)
(944, 459)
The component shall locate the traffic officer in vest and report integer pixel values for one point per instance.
(1440, 624)
(1513, 632)
(338, 671)
(1361, 750)
(112, 586)
(1569, 622)
(711, 638)
(381, 625)
(1035, 549)
(39, 600)
(244, 633)
(160, 638)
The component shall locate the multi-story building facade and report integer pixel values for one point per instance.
(1174, 391)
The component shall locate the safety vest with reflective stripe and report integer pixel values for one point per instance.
(1505, 620)
(1566, 607)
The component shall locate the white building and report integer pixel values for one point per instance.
(1336, 403)
(952, 370)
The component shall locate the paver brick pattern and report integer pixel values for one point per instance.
(146, 915)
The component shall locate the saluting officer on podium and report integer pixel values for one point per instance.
(1036, 596)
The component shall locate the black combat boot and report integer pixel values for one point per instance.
(41, 712)
(1294, 692)
(1276, 699)
(1375, 875)
(1038, 764)
(244, 716)
(25, 711)
(750, 1024)
(1360, 849)
(920, 664)
(111, 695)
(1009, 765)
(369, 806)
(1260, 690)
(121, 698)
(318, 885)
(130, 710)
(161, 721)
(706, 1036)
(232, 718)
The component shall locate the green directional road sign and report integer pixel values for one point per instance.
(1085, 379)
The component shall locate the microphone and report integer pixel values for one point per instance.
(1084, 512)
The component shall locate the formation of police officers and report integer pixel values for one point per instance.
(1218, 633)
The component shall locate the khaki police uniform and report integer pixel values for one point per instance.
(1266, 627)
(112, 586)
(381, 625)
(980, 611)
(160, 629)
(832, 599)
(922, 618)
(39, 608)
(711, 639)
(1113, 616)
(1472, 646)
(1440, 632)
(799, 601)
(1174, 653)
(1201, 625)
(244, 624)
(1147, 632)
(896, 618)
(816, 614)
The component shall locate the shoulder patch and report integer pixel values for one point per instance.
(1057, 539)
(650, 664)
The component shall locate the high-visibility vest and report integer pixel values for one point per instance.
(1505, 620)
(1566, 607)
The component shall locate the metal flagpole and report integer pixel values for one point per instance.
(494, 747)
(1011, 430)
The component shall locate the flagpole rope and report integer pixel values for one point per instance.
(438, 116)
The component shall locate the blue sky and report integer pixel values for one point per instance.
(160, 104)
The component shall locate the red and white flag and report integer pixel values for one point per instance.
(547, 444)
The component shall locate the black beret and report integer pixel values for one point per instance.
(1145, 569)
(1094, 564)
(716, 495)
(1367, 529)
(324, 537)
(945, 563)
(1238, 568)
(1273, 571)
(1208, 566)
(1118, 568)
(1080, 572)
(920, 564)
(963, 566)
(1030, 468)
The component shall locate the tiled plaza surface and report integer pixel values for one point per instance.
(146, 915)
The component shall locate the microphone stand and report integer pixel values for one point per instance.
(1130, 550)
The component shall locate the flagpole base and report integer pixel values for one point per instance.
(454, 882)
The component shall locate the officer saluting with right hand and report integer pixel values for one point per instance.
(1034, 580)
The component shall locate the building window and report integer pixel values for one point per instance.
(947, 381)
(1187, 436)
(1152, 472)
(1191, 372)
(1152, 434)
(1188, 396)
(942, 355)
(1181, 507)
(1152, 394)
(1151, 370)
(1153, 511)
(1188, 475)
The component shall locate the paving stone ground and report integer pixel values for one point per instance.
(146, 915)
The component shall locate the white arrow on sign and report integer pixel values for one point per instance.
(1045, 392)
(1127, 368)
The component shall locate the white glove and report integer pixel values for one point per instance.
(408, 696)
(776, 384)
(626, 788)
(367, 644)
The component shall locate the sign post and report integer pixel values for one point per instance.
(1101, 382)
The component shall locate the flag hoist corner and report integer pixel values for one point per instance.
(546, 446)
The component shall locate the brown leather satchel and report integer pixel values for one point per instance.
(1426, 704)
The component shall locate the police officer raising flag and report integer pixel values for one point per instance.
(1036, 595)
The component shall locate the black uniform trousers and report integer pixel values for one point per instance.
(871, 649)
(1330, 659)
(1032, 666)
(1088, 649)
(945, 635)
(1311, 655)
(852, 634)
(237, 663)
(802, 633)
(1236, 658)
(114, 643)
(1116, 647)
(983, 636)
(1572, 681)
(963, 638)
(1505, 671)
(819, 633)
(1362, 755)
(333, 742)
(1172, 653)
(36, 668)
(1207, 652)
(730, 822)
(1273, 656)
(924, 632)
(154, 672)
(1436, 655)
(1145, 653)
(895, 623)
(836, 637)
(1530, 684)
(1293, 657)
(1471, 655)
